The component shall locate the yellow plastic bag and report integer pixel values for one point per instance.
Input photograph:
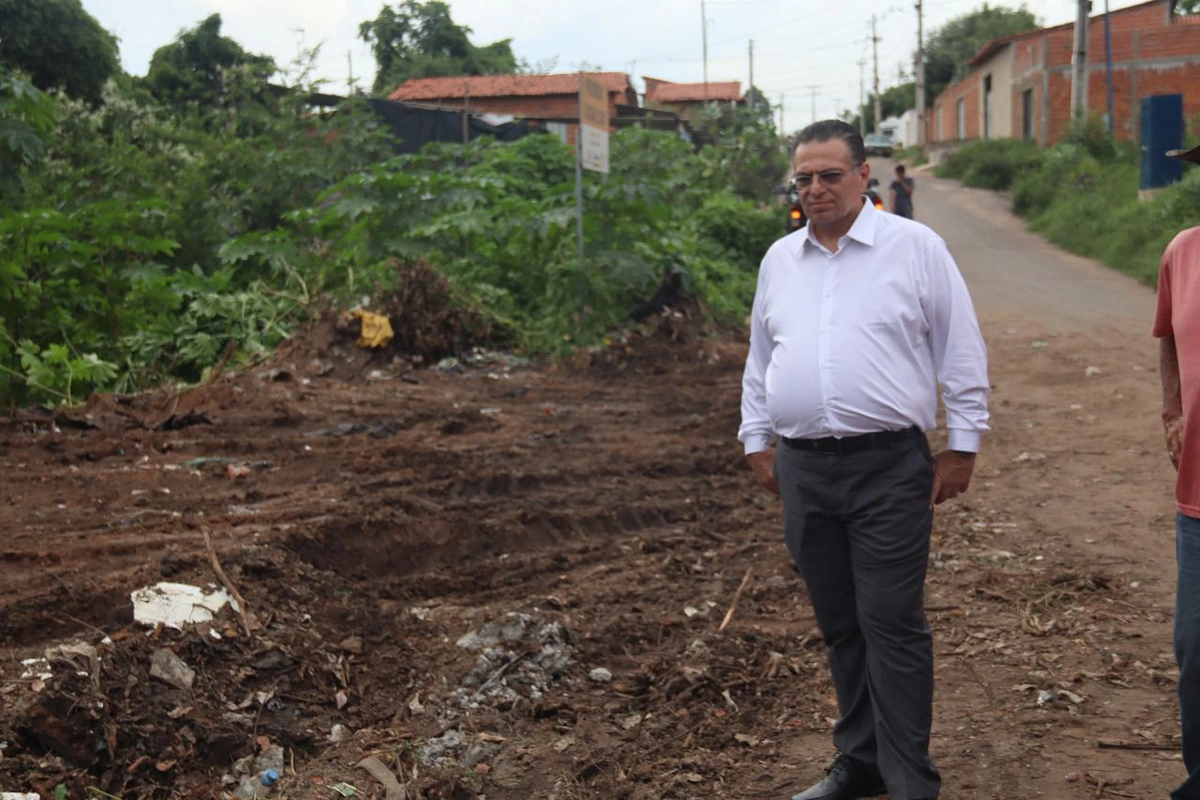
(376, 329)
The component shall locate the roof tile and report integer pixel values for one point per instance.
(503, 86)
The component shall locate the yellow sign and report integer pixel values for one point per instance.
(593, 127)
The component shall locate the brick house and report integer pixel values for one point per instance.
(1020, 86)
(550, 98)
(686, 98)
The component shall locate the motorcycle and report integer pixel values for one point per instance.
(873, 193)
(795, 218)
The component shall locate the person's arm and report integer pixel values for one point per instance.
(1168, 354)
(892, 198)
(755, 432)
(1172, 397)
(960, 362)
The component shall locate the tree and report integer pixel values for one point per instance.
(26, 120)
(198, 67)
(420, 40)
(952, 45)
(893, 102)
(58, 45)
(741, 144)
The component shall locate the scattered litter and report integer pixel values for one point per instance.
(178, 604)
(261, 773)
(746, 739)
(1090, 371)
(630, 722)
(344, 789)
(19, 796)
(169, 668)
(1039, 343)
(339, 733)
(600, 675)
(234, 471)
(36, 668)
(80, 655)
(442, 749)
(376, 329)
(564, 743)
(1028, 456)
(203, 461)
(381, 773)
(501, 676)
(1048, 696)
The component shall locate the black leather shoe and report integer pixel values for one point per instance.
(847, 779)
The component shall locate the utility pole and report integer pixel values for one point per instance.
(862, 97)
(813, 92)
(704, 36)
(781, 131)
(751, 63)
(920, 78)
(875, 49)
(1079, 75)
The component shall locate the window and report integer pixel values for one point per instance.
(961, 126)
(1027, 113)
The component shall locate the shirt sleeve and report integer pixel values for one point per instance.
(959, 352)
(1162, 314)
(756, 432)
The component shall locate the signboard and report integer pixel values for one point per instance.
(593, 123)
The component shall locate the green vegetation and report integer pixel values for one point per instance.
(951, 46)
(1082, 194)
(420, 40)
(154, 228)
(57, 45)
(991, 164)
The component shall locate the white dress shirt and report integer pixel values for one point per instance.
(857, 341)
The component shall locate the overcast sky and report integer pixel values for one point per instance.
(806, 52)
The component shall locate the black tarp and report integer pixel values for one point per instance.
(413, 127)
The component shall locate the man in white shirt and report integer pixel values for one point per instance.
(857, 319)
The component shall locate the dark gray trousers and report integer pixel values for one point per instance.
(858, 530)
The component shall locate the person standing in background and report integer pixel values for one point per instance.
(901, 192)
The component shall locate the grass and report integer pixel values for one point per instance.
(1082, 195)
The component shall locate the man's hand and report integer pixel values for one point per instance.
(1173, 427)
(951, 475)
(763, 464)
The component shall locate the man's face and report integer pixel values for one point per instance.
(835, 184)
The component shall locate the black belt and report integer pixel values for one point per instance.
(846, 445)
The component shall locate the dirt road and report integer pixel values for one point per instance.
(511, 582)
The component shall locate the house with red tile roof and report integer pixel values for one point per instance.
(531, 97)
(684, 98)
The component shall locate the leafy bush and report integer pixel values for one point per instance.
(149, 241)
(1084, 197)
(743, 229)
(992, 163)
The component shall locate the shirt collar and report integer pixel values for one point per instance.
(862, 231)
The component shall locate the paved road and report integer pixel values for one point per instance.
(1012, 270)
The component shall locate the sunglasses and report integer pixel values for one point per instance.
(829, 177)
